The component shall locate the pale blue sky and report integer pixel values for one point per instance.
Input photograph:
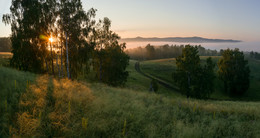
(227, 19)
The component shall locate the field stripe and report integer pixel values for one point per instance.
(137, 68)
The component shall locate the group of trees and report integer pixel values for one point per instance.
(79, 40)
(234, 72)
(255, 55)
(194, 79)
(5, 44)
(197, 80)
(166, 51)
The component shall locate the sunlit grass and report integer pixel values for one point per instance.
(65, 108)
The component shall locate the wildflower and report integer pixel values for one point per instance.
(123, 133)
(194, 108)
(40, 115)
(69, 107)
(84, 122)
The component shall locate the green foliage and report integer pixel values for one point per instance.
(208, 76)
(193, 79)
(165, 67)
(110, 60)
(188, 66)
(33, 22)
(78, 25)
(255, 55)
(150, 51)
(27, 22)
(114, 63)
(234, 72)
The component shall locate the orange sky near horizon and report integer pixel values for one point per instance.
(220, 19)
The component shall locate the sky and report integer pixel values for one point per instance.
(222, 19)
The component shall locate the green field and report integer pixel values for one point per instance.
(42, 106)
(163, 69)
(4, 58)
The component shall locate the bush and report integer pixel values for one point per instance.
(153, 86)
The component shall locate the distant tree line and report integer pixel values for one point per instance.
(197, 80)
(5, 44)
(166, 51)
(80, 41)
(255, 55)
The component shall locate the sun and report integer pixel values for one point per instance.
(51, 39)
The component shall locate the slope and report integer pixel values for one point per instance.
(63, 108)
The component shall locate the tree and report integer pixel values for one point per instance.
(75, 27)
(5, 44)
(205, 83)
(27, 23)
(193, 79)
(234, 72)
(188, 65)
(150, 50)
(110, 60)
(254, 55)
(33, 22)
(114, 65)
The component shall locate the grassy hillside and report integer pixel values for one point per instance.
(64, 108)
(164, 68)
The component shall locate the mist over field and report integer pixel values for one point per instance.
(243, 46)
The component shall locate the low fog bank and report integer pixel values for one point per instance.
(243, 46)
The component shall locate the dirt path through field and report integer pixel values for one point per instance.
(137, 68)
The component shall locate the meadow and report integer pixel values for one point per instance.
(41, 106)
(163, 68)
(4, 58)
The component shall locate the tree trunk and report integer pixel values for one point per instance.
(46, 65)
(188, 92)
(57, 63)
(100, 70)
(52, 62)
(68, 72)
(100, 66)
(225, 87)
(61, 65)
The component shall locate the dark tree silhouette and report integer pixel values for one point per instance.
(234, 72)
(193, 79)
(28, 23)
(5, 44)
(150, 51)
(110, 60)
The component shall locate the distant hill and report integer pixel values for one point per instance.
(179, 39)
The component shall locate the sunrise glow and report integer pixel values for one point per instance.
(51, 39)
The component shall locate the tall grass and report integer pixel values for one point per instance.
(65, 108)
(12, 84)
